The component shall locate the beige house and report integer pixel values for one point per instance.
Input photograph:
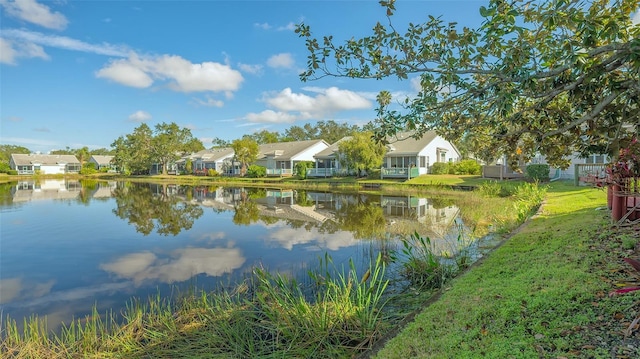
(102, 162)
(45, 164)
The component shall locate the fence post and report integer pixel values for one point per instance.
(576, 174)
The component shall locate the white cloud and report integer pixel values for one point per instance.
(327, 101)
(10, 52)
(124, 73)
(140, 116)
(284, 60)
(7, 53)
(263, 26)
(179, 74)
(252, 69)
(181, 265)
(289, 27)
(66, 43)
(271, 116)
(33, 12)
(28, 141)
(209, 101)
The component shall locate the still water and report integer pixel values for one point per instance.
(68, 246)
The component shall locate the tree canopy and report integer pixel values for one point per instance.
(137, 151)
(246, 152)
(361, 152)
(550, 77)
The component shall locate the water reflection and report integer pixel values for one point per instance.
(149, 206)
(67, 245)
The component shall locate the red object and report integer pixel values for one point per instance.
(609, 196)
(632, 202)
(618, 204)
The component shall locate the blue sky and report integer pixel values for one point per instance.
(82, 73)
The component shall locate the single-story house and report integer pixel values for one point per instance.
(280, 158)
(218, 159)
(28, 164)
(102, 162)
(327, 162)
(408, 157)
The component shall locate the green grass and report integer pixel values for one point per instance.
(532, 297)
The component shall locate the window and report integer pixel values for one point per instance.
(423, 161)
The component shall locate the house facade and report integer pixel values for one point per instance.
(280, 158)
(218, 159)
(409, 157)
(327, 162)
(103, 163)
(29, 164)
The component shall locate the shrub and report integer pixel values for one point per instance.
(255, 171)
(301, 168)
(12, 172)
(4, 168)
(467, 167)
(439, 168)
(212, 173)
(88, 168)
(538, 172)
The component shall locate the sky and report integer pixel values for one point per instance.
(83, 73)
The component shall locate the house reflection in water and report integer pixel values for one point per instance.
(25, 191)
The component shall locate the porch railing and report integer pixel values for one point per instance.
(593, 173)
(326, 172)
(400, 172)
(279, 172)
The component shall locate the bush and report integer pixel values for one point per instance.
(255, 171)
(212, 173)
(440, 168)
(12, 172)
(538, 172)
(4, 168)
(88, 168)
(467, 167)
(301, 168)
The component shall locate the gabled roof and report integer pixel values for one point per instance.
(330, 151)
(213, 154)
(404, 144)
(102, 160)
(284, 151)
(46, 160)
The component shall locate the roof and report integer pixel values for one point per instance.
(404, 144)
(331, 150)
(212, 155)
(46, 160)
(285, 150)
(102, 160)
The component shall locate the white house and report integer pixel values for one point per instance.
(218, 159)
(102, 162)
(327, 162)
(44, 164)
(409, 157)
(280, 158)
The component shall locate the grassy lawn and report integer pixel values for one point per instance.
(542, 294)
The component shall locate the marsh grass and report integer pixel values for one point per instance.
(268, 315)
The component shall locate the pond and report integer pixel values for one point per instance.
(67, 247)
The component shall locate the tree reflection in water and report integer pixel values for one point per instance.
(148, 206)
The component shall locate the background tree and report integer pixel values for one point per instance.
(82, 154)
(361, 152)
(133, 151)
(552, 76)
(170, 142)
(246, 152)
(102, 152)
(220, 143)
(265, 136)
(7, 150)
(332, 132)
(66, 151)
